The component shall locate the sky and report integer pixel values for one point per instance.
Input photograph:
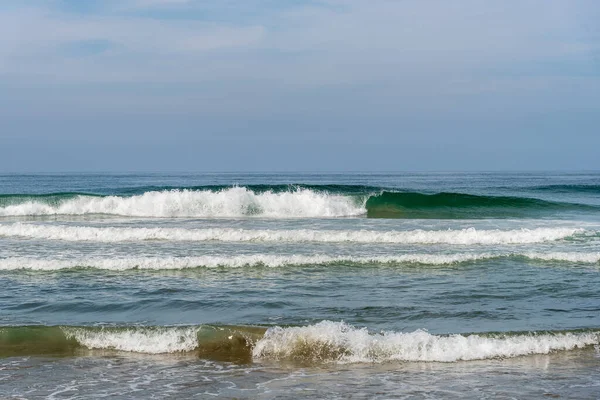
(299, 85)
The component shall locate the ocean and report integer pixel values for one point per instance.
(361, 285)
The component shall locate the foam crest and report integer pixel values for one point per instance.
(467, 236)
(339, 342)
(274, 261)
(263, 260)
(139, 340)
(231, 202)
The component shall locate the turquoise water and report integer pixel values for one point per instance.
(300, 285)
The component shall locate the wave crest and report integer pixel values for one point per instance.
(459, 237)
(275, 261)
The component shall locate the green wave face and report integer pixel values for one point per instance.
(51, 199)
(218, 343)
(35, 340)
(460, 205)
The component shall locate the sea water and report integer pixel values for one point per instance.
(398, 285)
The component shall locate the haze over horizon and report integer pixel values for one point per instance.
(299, 85)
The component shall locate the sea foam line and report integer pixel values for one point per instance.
(269, 260)
(466, 236)
(231, 202)
(265, 260)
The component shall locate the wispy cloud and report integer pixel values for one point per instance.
(37, 31)
(153, 3)
(391, 49)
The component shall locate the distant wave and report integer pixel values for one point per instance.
(275, 261)
(574, 188)
(284, 202)
(459, 236)
(324, 342)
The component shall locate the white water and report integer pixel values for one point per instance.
(139, 340)
(231, 202)
(460, 236)
(337, 341)
(268, 260)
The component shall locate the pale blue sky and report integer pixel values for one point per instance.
(306, 85)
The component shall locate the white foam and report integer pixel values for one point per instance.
(139, 340)
(271, 260)
(267, 260)
(467, 236)
(339, 342)
(585, 258)
(231, 202)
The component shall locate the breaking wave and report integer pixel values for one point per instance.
(337, 341)
(232, 202)
(284, 202)
(326, 341)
